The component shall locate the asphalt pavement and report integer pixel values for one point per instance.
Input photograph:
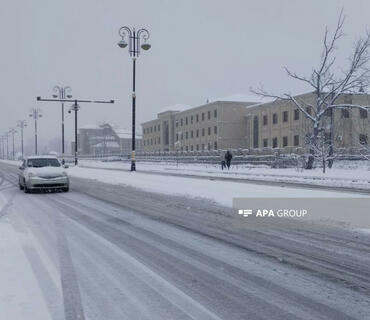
(115, 252)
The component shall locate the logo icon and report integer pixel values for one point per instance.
(245, 212)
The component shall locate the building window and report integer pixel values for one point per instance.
(191, 148)
(309, 110)
(202, 116)
(203, 132)
(296, 114)
(209, 116)
(215, 113)
(255, 132)
(296, 140)
(215, 129)
(159, 140)
(197, 133)
(155, 128)
(186, 135)
(275, 142)
(192, 134)
(186, 120)
(265, 143)
(215, 145)
(265, 120)
(197, 117)
(159, 127)
(191, 119)
(177, 123)
(285, 116)
(151, 142)
(151, 129)
(209, 146)
(186, 148)
(181, 122)
(203, 147)
(197, 147)
(363, 114)
(209, 131)
(275, 118)
(363, 139)
(345, 113)
(285, 141)
(177, 137)
(182, 136)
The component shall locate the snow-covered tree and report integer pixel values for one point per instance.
(329, 82)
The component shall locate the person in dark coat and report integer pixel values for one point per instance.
(228, 157)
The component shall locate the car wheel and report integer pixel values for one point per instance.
(66, 189)
(20, 185)
(25, 189)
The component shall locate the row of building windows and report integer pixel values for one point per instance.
(200, 147)
(275, 142)
(152, 129)
(345, 113)
(195, 133)
(180, 122)
(150, 142)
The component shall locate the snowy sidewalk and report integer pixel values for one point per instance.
(353, 178)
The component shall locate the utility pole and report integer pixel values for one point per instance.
(22, 124)
(62, 93)
(35, 113)
(12, 131)
(75, 107)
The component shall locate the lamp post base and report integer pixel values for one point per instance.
(133, 166)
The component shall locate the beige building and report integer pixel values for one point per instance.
(212, 126)
(280, 124)
(249, 125)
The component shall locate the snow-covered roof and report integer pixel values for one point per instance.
(243, 98)
(123, 133)
(175, 107)
(108, 144)
(90, 126)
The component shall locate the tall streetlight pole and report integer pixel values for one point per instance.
(22, 124)
(134, 38)
(12, 131)
(62, 93)
(7, 145)
(2, 140)
(35, 113)
(75, 107)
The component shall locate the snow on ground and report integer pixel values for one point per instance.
(221, 192)
(342, 175)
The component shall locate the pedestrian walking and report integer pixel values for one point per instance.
(228, 157)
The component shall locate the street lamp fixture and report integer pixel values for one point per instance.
(75, 107)
(134, 45)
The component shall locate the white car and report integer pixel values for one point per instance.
(43, 173)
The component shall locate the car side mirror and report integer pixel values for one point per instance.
(65, 166)
(21, 168)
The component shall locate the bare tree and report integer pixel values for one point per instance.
(329, 83)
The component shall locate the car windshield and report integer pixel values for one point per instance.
(39, 163)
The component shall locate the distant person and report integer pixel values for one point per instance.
(228, 157)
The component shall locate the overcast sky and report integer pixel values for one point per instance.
(200, 49)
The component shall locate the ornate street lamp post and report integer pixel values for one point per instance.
(134, 39)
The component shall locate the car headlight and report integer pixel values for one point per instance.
(64, 174)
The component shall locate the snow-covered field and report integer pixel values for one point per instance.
(347, 174)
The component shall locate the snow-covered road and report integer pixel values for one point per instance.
(115, 252)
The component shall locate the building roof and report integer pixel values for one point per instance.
(49, 156)
(176, 107)
(239, 97)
